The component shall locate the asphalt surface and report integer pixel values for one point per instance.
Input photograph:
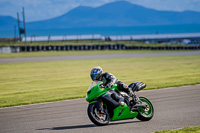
(81, 57)
(175, 107)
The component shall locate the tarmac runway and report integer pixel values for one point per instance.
(175, 107)
(81, 57)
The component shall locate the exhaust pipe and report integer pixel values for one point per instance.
(140, 105)
(135, 107)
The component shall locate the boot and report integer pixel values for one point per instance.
(132, 99)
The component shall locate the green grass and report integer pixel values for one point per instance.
(26, 83)
(195, 129)
(68, 53)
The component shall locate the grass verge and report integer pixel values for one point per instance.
(35, 82)
(69, 53)
(195, 129)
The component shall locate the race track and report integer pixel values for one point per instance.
(104, 56)
(175, 107)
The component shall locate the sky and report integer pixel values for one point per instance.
(45, 9)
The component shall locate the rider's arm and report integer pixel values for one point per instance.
(111, 79)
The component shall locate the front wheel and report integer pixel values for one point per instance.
(145, 114)
(96, 117)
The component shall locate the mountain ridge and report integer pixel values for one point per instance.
(115, 14)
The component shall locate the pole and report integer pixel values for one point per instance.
(23, 13)
(18, 25)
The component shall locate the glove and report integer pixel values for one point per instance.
(109, 85)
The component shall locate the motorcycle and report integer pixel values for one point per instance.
(111, 104)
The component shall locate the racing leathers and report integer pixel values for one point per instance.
(109, 80)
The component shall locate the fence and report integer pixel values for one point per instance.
(13, 49)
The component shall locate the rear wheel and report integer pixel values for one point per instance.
(96, 117)
(145, 114)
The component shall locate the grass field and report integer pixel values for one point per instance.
(68, 53)
(26, 83)
(195, 129)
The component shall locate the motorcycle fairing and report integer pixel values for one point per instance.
(121, 113)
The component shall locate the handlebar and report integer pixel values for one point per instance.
(101, 86)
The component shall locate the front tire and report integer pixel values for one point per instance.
(97, 118)
(145, 114)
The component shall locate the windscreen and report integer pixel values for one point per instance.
(94, 83)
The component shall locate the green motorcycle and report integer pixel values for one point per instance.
(110, 104)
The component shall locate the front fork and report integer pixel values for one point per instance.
(99, 106)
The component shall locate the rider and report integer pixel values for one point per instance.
(109, 80)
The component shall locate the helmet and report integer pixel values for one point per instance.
(96, 72)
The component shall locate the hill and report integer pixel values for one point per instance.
(7, 22)
(120, 13)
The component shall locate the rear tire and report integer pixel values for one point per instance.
(95, 118)
(145, 114)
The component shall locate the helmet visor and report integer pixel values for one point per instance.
(93, 76)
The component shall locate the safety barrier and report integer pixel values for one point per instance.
(14, 49)
(72, 47)
(163, 48)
